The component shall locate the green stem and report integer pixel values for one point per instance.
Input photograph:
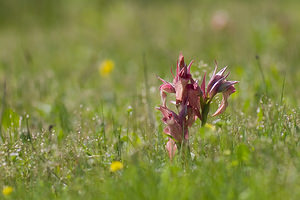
(205, 112)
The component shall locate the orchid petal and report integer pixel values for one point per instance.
(181, 61)
(216, 77)
(203, 85)
(189, 67)
(171, 148)
(191, 116)
(214, 89)
(194, 93)
(173, 122)
(221, 72)
(180, 88)
(226, 85)
(166, 87)
(224, 102)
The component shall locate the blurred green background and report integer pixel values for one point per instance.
(80, 121)
(51, 47)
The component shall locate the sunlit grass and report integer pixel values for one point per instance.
(75, 129)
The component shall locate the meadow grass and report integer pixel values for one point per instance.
(63, 123)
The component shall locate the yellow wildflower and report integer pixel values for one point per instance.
(106, 67)
(227, 152)
(7, 190)
(116, 166)
(210, 126)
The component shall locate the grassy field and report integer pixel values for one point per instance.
(63, 122)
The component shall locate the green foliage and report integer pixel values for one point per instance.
(10, 119)
(63, 123)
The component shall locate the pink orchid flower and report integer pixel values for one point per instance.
(218, 84)
(166, 87)
(181, 80)
(174, 124)
(192, 102)
(187, 93)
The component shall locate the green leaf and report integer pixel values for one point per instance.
(242, 152)
(10, 119)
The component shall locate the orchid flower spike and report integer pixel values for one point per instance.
(218, 84)
(192, 101)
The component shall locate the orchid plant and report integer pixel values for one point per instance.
(192, 102)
